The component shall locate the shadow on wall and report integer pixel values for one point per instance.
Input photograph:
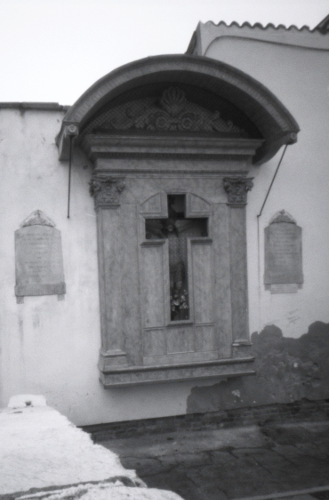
(287, 370)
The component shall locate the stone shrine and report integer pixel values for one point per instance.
(171, 140)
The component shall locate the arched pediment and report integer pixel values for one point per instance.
(181, 95)
(170, 109)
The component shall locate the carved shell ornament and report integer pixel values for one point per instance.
(173, 101)
(171, 113)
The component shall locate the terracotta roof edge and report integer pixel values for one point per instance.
(268, 26)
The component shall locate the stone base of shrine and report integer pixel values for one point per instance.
(123, 375)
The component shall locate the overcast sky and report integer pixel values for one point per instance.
(53, 50)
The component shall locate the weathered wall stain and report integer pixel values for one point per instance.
(287, 370)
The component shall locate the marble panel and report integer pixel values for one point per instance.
(153, 284)
(222, 279)
(180, 339)
(238, 259)
(202, 272)
(154, 342)
(110, 256)
(155, 205)
(205, 339)
(196, 206)
(180, 357)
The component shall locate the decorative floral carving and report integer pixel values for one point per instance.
(237, 188)
(171, 113)
(106, 191)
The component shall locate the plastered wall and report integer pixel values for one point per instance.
(299, 77)
(51, 347)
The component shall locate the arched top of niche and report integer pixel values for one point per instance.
(228, 101)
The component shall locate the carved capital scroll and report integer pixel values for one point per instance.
(237, 189)
(106, 191)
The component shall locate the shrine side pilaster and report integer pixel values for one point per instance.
(106, 191)
(236, 189)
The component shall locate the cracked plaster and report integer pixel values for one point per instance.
(287, 370)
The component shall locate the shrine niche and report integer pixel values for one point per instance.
(177, 229)
(171, 140)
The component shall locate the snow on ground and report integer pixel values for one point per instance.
(40, 448)
(103, 492)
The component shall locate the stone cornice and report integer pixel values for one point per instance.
(155, 146)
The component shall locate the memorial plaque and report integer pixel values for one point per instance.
(39, 261)
(283, 254)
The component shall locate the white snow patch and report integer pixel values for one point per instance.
(24, 400)
(103, 492)
(39, 447)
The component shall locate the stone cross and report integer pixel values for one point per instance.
(177, 229)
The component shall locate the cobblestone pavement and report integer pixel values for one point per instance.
(232, 463)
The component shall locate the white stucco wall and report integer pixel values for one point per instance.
(50, 346)
(299, 77)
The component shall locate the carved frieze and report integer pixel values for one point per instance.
(106, 191)
(237, 189)
(172, 112)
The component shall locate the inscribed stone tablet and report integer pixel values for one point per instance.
(283, 252)
(39, 261)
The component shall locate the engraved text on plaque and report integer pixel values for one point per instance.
(283, 254)
(39, 261)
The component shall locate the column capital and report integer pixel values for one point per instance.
(106, 191)
(237, 188)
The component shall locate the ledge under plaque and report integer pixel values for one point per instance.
(39, 260)
(134, 375)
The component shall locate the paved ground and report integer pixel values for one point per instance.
(233, 463)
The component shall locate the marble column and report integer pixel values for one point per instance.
(106, 191)
(237, 189)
